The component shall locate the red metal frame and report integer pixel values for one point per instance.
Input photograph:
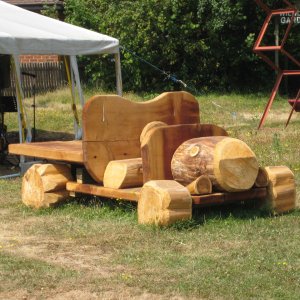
(296, 101)
(258, 49)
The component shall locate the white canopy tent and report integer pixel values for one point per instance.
(25, 32)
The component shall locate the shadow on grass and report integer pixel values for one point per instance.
(236, 212)
(89, 208)
(249, 210)
(93, 208)
(42, 136)
(108, 203)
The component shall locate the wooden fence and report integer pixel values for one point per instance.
(41, 77)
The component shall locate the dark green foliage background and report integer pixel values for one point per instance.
(206, 43)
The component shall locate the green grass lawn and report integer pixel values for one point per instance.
(91, 248)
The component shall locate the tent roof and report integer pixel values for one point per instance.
(25, 32)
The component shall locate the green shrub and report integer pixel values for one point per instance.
(206, 43)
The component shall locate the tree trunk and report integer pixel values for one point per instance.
(45, 184)
(123, 173)
(230, 163)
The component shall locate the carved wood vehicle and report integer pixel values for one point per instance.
(156, 153)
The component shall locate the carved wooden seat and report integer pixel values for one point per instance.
(111, 130)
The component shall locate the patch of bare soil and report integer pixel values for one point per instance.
(89, 261)
(111, 295)
(279, 116)
(63, 253)
(118, 294)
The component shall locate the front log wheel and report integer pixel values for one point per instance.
(163, 202)
(281, 189)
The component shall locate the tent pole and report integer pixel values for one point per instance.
(74, 66)
(22, 115)
(76, 81)
(76, 124)
(18, 108)
(70, 76)
(118, 73)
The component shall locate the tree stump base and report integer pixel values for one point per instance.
(163, 202)
(281, 189)
(44, 185)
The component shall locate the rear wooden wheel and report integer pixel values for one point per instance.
(44, 185)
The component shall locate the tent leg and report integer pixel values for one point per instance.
(22, 115)
(118, 73)
(74, 66)
(76, 81)
(18, 104)
(70, 76)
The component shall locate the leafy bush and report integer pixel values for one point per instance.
(206, 43)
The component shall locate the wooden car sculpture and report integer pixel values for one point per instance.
(156, 153)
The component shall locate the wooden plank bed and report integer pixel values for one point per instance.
(133, 194)
(68, 151)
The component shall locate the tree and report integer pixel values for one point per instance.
(206, 43)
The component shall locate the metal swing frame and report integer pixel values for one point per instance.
(259, 50)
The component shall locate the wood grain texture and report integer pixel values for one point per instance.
(133, 194)
(112, 125)
(45, 185)
(54, 176)
(149, 127)
(281, 189)
(163, 202)
(227, 198)
(230, 163)
(262, 179)
(200, 186)
(124, 173)
(69, 151)
(31, 195)
(130, 194)
(159, 146)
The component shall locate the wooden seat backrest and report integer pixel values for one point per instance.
(112, 125)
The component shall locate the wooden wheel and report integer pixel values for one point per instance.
(281, 189)
(163, 202)
(44, 185)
